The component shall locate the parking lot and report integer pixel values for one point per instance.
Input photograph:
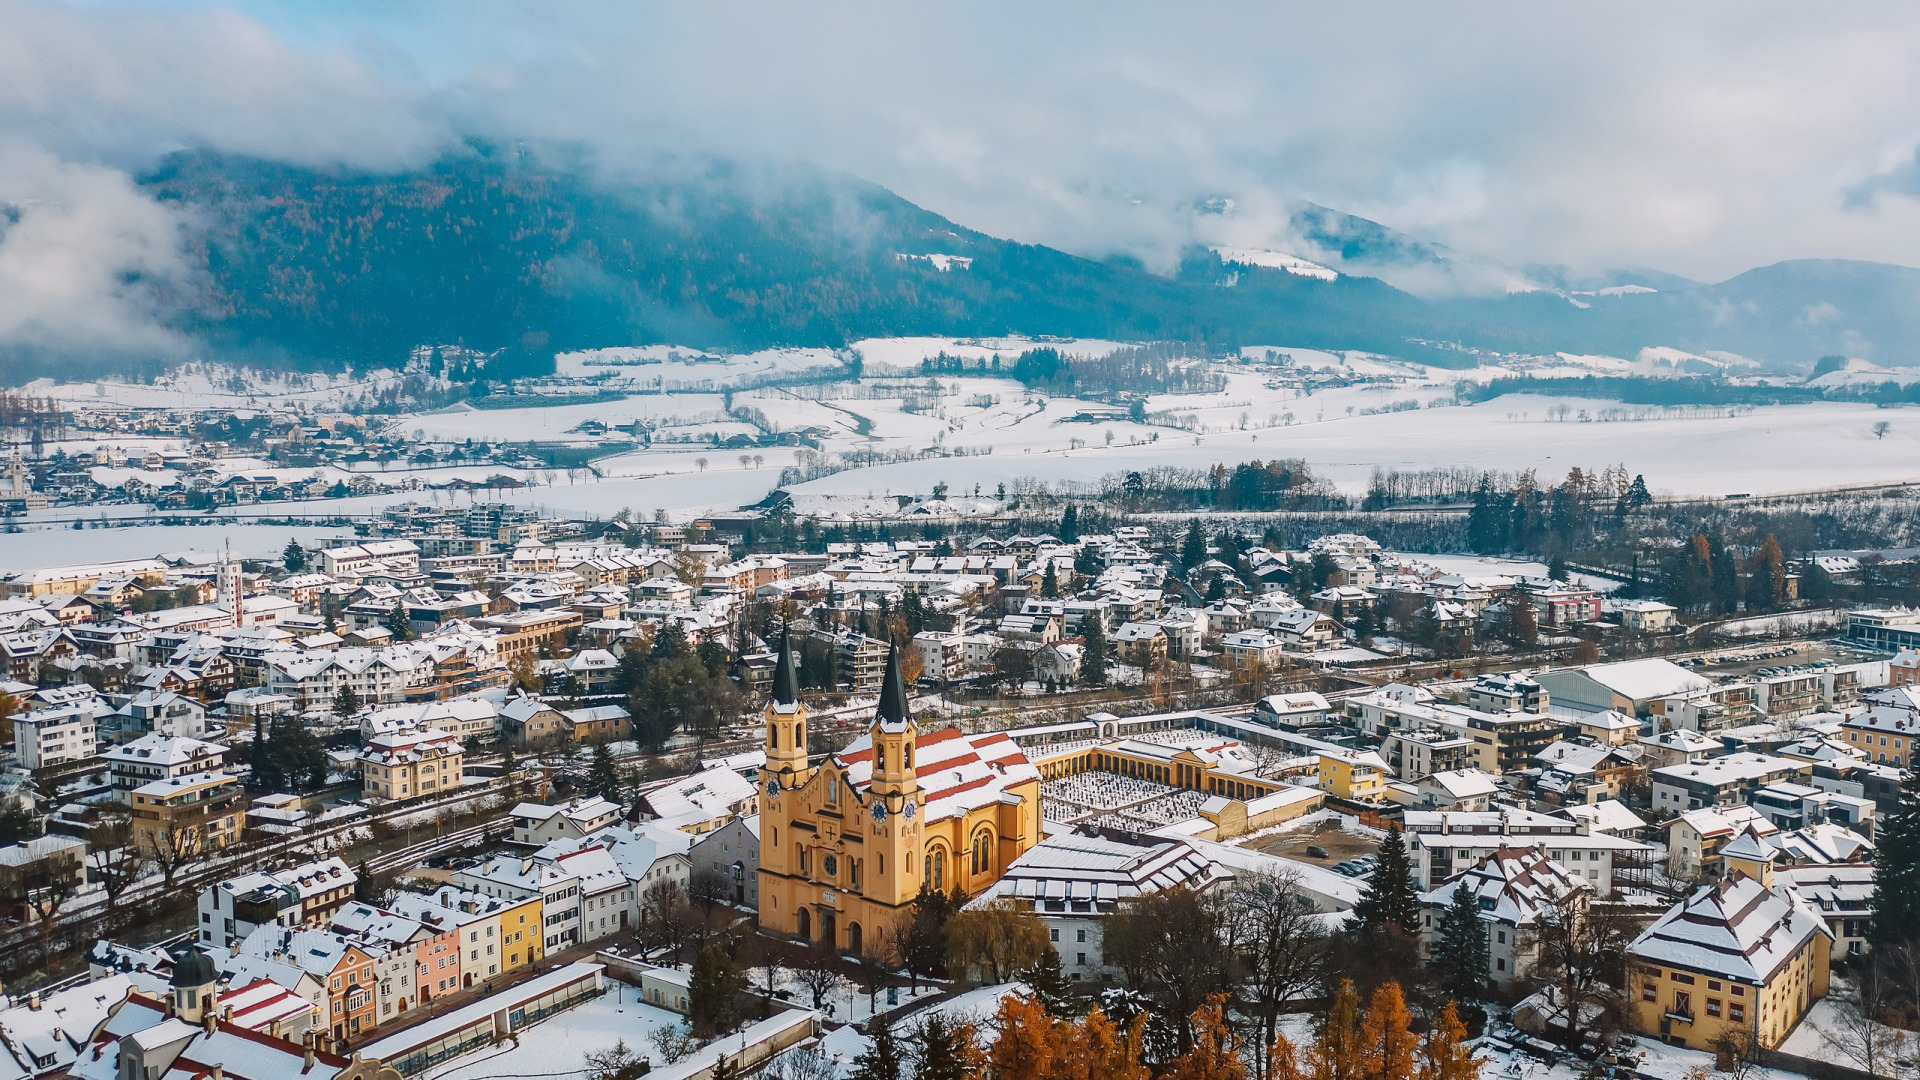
(1339, 844)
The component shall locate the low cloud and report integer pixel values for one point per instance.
(88, 263)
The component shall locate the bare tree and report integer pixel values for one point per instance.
(665, 917)
(170, 849)
(113, 860)
(1582, 949)
(1861, 1033)
(1177, 945)
(1283, 949)
(618, 1062)
(819, 971)
(801, 1063)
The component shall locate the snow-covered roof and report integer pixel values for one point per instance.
(1076, 872)
(1645, 679)
(1512, 885)
(1737, 929)
(956, 772)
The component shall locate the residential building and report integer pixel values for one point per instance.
(1722, 781)
(1444, 843)
(728, 860)
(55, 736)
(156, 757)
(188, 815)
(1735, 955)
(233, 909)
(497, 934)
(410, 764)
(1515, 889)
(1353, 775)
(536, 824)
(1073, 882)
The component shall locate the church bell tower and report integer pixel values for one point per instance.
(893, 796)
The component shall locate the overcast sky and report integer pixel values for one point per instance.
(1699, 139)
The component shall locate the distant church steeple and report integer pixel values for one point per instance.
(786, 722)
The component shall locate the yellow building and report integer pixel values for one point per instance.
(846, 845)
(408, 764)
(1734, 955)
(187, 815)
(1356, 776)
(496, 935)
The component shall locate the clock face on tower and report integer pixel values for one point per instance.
(907, 811)
(879, 812)
(773, 786)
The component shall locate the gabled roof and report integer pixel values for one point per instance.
(1737, 929)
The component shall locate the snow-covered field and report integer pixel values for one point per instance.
(974, 433)
(55, 546)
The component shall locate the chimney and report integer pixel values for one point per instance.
(210, 1020)
(219, 1072)
(33, 1001)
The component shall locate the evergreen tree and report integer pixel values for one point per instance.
(603, 777)
(1093, 661)
(1896, 868)
(267, 773)
(294, 556)
(713, 993)
(881, 1060)
(1216, 588)
(365, 889)
(397, 622)
(1050, 583)
(1070, 523)
(1193, 549)
(946, 1050)
(1049, 984)
(1389, 901)
(1637, 493)
(1483, 521)
(1459, 956)
(345, 704)
(1557, 567)
(671, 642)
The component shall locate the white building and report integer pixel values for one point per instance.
(1444, 843)
(1073, 882)
(56, 736)
(1513, 889)
(538, 824)
(158, 757)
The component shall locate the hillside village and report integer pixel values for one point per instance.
(416, 793)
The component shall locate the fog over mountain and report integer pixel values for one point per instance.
(264, 179)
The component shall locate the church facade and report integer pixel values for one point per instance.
(845, 845)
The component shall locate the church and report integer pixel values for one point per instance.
(845, 845)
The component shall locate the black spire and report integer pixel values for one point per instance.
(786, 687)
(893, 692)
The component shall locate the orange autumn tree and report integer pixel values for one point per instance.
(1029, 1044)
(1444, 1054)
(1216, 1047)
(1025, 1040)
(1386, 1046)
(1335, 1054)
(1099, 1049)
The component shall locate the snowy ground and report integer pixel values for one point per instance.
(994, 431)
(57, 545)
(557, 1046)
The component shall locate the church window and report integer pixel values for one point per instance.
(879, 758)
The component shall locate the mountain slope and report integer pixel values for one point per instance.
(498, 251)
